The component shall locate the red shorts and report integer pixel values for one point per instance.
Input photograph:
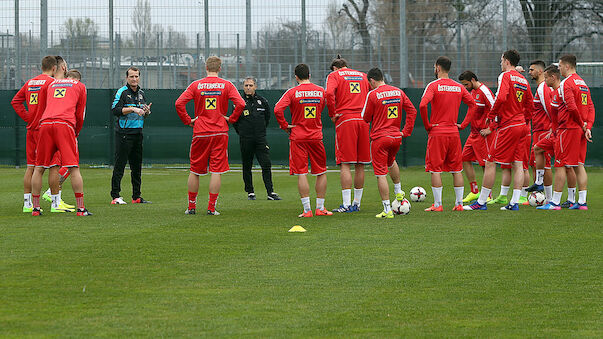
(58, 136)
(538, 136)
(209, 152)
(570, 151)
(475, 149)
(31, 143)
(301, 150)
(352, 142)
(509, 145)
(383, 153)
(526, 141)
(444, 154)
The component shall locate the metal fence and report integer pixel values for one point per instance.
(169, 40)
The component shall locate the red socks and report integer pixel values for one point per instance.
(192, 200)
(64, 172)
(474, 189)
(35, 200)
(211, 206)
(79, 200)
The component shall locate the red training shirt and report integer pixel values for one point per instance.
(346, 93)
(383, 107)
(514, 102)
(210, 95)
(575, 94)
(445, 96)
(66, 101)
(541, 117)
(306, 102)
(33, 93)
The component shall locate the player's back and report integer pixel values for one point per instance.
(582, 95)
(445, 96)
(541, 118)
(306, 102)
(211, 95)
(564, 117)
(34, 92)
(513, 99)
(386, 104)
(62, 99)
(346, 92)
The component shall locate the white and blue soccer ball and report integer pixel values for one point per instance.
(417, 194)
(401, 207)
(536, 199)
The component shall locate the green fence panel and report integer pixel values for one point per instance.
(167, 140)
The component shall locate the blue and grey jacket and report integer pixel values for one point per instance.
(130, 123)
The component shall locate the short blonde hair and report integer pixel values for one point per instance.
(213, 64)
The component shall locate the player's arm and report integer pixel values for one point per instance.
(544, 95)
(411, 116)
(331, 88)
(590, 120)
(528, 103)
(471, 111)
(367, 109)
(554, 114)
(239, 104)
(501, 96)
(181, 102)
(279, 111)
(80, 110)
(570, 103)
(426, 99)
(18, 102)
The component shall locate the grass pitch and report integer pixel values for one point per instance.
(150, 270)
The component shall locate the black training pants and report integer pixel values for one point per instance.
(259, 148)
(128, 148)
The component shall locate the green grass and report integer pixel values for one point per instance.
(150, 270)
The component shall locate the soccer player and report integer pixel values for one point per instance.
(209, 147)
(306, 102)
(541, 127)
(576, 116)
(513, 107)
(346, 93)
(476, 146)
(444, 152)
(33, 95)
(383, 109)
(60, 125)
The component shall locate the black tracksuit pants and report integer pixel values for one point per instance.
(128, 148)
(259, 148)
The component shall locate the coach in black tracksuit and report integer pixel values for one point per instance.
(130, 107)
(251, 128)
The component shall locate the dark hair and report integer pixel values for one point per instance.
(467, 76)
(539, 63)
(75, 74)
(302, 71)
(375, 74)
(339, 62)
(60, 59)
(444, 62)
(553, 70)
(132, 68)
(512, 56)
(569, 59)
(48, 62)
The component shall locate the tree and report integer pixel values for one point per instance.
(81, 33)
(359, 20)
(141, 18)
(338, 27)
(543, 18)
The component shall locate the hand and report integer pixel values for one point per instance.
(403, 136)
(289, 128)
(192, 124)
(335, 117)
(485, 132)
(519, 69)
(588, 135)
(459, 126)
(147, 109)
(138, 111)
(227, 118)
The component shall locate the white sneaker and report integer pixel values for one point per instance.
(118, 201)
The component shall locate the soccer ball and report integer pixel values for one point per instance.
(401, 208)
(417, 194)
(536, 199)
